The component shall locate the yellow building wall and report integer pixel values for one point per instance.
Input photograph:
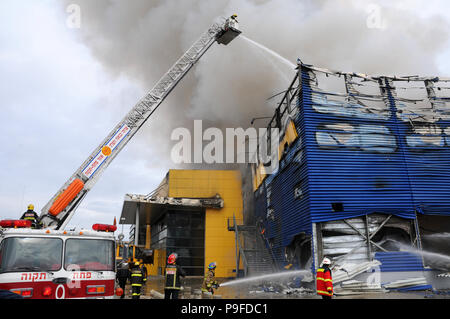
(219, 242)
(159, 263)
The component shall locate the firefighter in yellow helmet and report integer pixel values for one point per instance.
(32, 216)
(137, 280)
(232, 22)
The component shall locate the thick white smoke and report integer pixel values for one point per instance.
(230, 85)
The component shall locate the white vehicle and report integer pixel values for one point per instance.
(57, 264)
(53, 263)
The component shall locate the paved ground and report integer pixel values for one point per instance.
(192, 287)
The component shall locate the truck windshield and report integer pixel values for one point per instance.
(30, 254)
(89, 254)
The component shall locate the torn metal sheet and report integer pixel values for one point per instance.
(348, 271)
(420, 281)
(214, 202)
(151, 208)
(354, 287)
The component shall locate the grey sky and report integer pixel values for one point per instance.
(62, 90)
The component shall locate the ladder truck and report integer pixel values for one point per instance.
(54, 263)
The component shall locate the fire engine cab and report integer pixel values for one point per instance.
(57, 264)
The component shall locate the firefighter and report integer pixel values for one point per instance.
(123, 273)
(324, 281)
(137, 280)
(210, 282)
(31, 215)
(232, 22)
(173, 274)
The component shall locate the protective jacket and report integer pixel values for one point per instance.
(122, 273)
(137, 277)
(232, 22)
(209, 282)
(324, 282)
(31, 215)
(173, 274)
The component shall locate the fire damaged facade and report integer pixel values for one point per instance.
(364, 173)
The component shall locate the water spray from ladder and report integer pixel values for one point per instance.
(269, 51)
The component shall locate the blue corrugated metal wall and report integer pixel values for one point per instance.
(428, 167)
(390, 176)
(364, 182)
(399, 261)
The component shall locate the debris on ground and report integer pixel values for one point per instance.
(156, 295)
(354, 287)
(348, 271)
(407, 283)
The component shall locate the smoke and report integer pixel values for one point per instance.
(141, 39)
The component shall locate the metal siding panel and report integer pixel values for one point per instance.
(428, 167)
(296, 217)
(399, 261)
(352, 177)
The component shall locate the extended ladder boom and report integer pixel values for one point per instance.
(59, 210)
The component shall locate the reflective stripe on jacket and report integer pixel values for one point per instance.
(173, 273)
(209, 281)
(324, 282)
(137, 277)
(30, 215)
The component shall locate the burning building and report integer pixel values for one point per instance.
(363, 174)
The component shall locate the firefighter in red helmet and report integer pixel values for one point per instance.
(324, 281)
(173, 274)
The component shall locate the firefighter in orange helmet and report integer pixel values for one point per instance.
(324, 281)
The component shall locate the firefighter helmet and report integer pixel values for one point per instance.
(326, 261)
(31, 207)
(172, 258)
(212, 265)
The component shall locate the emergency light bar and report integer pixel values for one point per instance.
(19, 223)
(103, 227)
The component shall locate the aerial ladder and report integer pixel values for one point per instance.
(59, 210)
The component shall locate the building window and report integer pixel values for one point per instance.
(298, 193)
(368, 138)
(337, 207)
(183, 232)
(269, 195)
(430, 136)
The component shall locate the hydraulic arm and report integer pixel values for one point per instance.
(61, 207)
